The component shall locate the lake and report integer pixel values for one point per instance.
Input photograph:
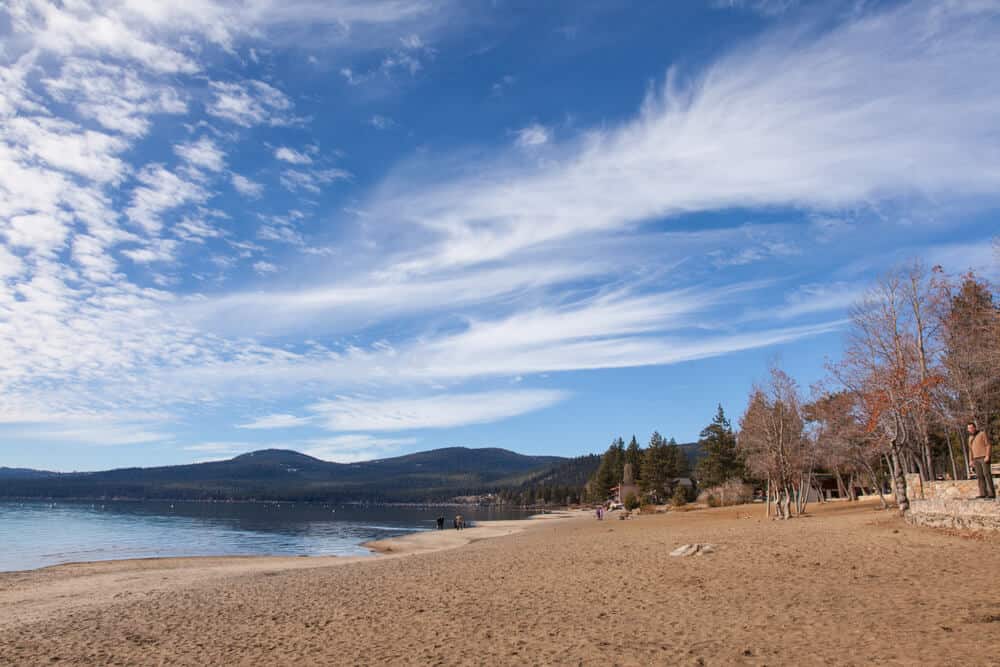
(37, 533)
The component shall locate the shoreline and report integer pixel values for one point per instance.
(418, 540)
(63, 587)
(255, 501)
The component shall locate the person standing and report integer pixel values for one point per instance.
(981, 454)
(440, 522)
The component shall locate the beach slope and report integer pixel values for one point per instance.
(848, 586)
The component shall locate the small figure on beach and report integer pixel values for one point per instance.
(600, 513)
(459, 522)
(980, 451)
(440, 522)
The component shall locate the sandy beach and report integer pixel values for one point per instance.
(848, 585)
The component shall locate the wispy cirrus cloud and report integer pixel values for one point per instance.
(276, 421)
(250, 103)
(354, 447)
(347, 413)
(120, 133)
(247, 187)
(794, 119)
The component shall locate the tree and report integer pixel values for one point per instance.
(633, 455)
(773, 443)
(655, 468)
(721, 461)
(618, 445)
(886, 367)
(971, 327)
(843, 445)
(631, 502)
(676, 462)
(606, 476)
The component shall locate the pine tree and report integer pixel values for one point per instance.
(658, 465)
(633, 455)
(608, 473)
(619, 447)
(721, 459)
(676, 462)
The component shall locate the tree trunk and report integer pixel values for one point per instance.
(785, 503)
(951, 454)
(877, 483)
(965, 455)
(899, 483)
(841, 489)
(767, 496)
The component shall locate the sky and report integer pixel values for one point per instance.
(361, 228)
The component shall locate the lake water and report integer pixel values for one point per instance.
(36, 534)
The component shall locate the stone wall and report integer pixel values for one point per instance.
(955, 513)
(956, 489)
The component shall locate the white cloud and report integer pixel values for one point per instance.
(85, 433)
(291, 156)
(311, 181)
(819, 298)
(222, 448)
(159, 250)
(863, 112)
(532, 135)
(114, 96)
(490, 254)
(196, 229)
(353, 447)
(500, 87)
(263, 268)
(282, 228)
(250, 103)
(40, 232)
(246, 187)
(161, 191)
(339, 306)
(203, 153)
(381, 122)
(10, 264)
(439, 411)
(65, 146)
(276, 421)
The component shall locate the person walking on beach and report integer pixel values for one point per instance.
(440, 522)
(981, 453)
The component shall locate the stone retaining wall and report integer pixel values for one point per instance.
(956, 489)
(955, 513)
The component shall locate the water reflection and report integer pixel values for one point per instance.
(36, 534)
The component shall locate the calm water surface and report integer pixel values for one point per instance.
(35, 534)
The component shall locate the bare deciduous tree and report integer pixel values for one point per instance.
(773, 442)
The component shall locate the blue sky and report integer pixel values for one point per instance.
(359, 229)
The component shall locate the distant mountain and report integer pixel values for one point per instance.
(24, 473)
(274, 474)
(571, 472)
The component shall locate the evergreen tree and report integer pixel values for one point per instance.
(619, 447)
(721, 460)
(657, 466)
(633, 455)
(608, 473)
(648, 476)
(676, 462)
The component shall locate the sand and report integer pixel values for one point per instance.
(848, 585)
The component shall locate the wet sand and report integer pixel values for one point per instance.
(848, 585)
